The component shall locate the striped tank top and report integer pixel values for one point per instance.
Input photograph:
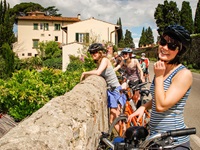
(171, 119)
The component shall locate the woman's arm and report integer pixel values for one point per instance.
(119, 66)
(98, 71)
(140, 69)
(179, 86)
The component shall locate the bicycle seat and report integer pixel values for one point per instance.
(136, 133)
(145, 92)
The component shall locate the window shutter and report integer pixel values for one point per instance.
(87, 37)
(77, 37)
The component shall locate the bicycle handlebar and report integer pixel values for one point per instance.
(181, 132)
(174, 133)
(148, 140)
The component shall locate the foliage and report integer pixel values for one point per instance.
(186, 17)
(22, 9)
(197, 19)
(8, 56)
(6, 40)
(55, 63)
(52, 11)
(166, 14)
(146, 37)
(28, 90)
(128, 40)
(49, 49)
(120, 31)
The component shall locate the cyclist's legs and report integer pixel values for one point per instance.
(114, 113)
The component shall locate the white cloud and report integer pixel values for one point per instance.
(133, 13)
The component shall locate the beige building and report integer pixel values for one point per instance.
(35, 28)
(86, 31)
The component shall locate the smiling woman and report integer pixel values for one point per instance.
(171, 85)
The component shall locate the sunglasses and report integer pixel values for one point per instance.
(93, 52)
(124, 53)
(171, 46)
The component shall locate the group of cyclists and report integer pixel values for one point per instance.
(169, 88)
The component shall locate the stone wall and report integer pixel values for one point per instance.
(73, 121)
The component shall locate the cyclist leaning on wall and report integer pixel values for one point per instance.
(105, 69)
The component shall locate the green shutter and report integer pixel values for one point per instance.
(87, 37)
(77, 34)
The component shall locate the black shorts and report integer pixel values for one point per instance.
(146, 71)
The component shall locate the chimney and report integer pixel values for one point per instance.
(79, 16)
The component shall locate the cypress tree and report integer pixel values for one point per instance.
(197, 19)
(128, 40)
(149, 36)
(142, 38)
(186, 17)
(120, 31)
(6, 39)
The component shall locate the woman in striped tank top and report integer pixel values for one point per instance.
(171, 85)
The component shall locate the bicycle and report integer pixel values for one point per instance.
(129, 108)
(137, 138)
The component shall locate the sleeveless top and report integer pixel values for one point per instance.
(171, 119)
(110, 76)
(132, 74)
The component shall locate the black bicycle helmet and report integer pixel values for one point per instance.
(127, 50)
(96, 47)
(178, 33)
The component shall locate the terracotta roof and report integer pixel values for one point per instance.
(53, 18)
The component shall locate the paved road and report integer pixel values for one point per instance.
(192, 109)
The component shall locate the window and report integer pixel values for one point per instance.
(56, 38)
(41, 26)
(57, 27)
(35, 26)
(46, 26)
(35, 43)
(29, 54)
(82, 37)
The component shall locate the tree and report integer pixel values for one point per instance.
(146, 37)
(186, 17)
(120, 31)
(6, 39)
(142, 38)
(52, 11)
(166, 14)
(8, 56)
(128, 40)
(48, 50)
(22, 8)
(149, 36)
(197, 19)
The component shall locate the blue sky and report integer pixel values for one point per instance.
(134, 14)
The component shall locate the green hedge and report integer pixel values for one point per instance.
(27, 91)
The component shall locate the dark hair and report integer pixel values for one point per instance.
(181, 35)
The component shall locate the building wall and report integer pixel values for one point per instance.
(70, 49)
(26, 34)
(96, 29)
(99, 30)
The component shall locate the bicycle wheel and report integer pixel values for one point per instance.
(122, 122)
